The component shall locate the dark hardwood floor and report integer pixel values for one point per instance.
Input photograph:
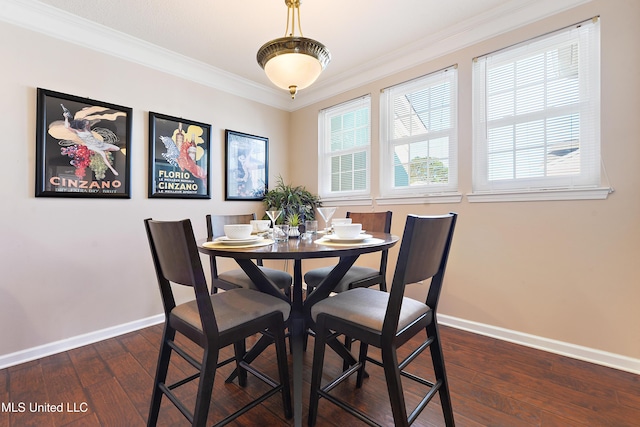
(493, 383)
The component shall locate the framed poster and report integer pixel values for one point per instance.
(178, 158)
(82, 147)
(246, 165)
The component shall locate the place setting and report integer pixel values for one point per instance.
(242, 236)
(345, 233)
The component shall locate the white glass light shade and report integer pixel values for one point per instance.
(293, 62)
(293, 69)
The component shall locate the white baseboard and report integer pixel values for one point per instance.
(586, 354)
(74, 342)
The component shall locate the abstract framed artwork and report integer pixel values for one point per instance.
(82, 147)
(179, 164)
(246, 166)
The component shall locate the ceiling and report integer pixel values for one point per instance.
(368, 39)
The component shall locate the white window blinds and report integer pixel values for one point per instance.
(536, 109)
(345, 149)
(419, 123)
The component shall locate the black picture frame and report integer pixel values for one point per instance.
(82, 147)
(246, 166)
(179, 158)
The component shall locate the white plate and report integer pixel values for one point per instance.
(325, 232)
(359, 238)
(229, 241)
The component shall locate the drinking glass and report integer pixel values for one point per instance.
(281, 233)
(310, 229)
(326, 214)
(273, 215)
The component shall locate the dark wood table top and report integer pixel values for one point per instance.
(299, 248)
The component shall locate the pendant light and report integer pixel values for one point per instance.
(293, 62)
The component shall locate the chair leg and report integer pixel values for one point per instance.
(394, 386)
(161, 375)
(347, 345)
(283, 368)
(363, 360)
(341, 351)
(438, 366)
(240, 348)
(263, 342)
(316, 371)
(205, 387)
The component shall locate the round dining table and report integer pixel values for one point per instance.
(298, 249)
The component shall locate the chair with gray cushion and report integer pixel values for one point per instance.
(358, 276)
(388, 321)
(210, 321)
(237, 278)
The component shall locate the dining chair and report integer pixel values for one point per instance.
(388, 321)
(210, 321)
(358, 276)
(237, 278)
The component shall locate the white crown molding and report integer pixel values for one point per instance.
(53, 22)
(62, 25)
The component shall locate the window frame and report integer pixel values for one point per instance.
(584, 185)
(429, 192)
(325, 153)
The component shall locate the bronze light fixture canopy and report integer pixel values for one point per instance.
(293, 62)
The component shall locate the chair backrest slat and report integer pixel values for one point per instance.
(172, 250)
(216, 223)
(379, 222)
(425, 254)
(215, 228)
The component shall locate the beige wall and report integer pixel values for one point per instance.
(563, 270)
(76, 266)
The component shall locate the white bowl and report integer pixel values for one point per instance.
(341, 221)
(347, 231)
(238, 231)
(260, 225)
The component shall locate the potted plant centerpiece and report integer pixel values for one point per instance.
(296, 203)
(293, 220)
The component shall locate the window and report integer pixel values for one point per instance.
(536, 112)
(418, 136)
(345, 149)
